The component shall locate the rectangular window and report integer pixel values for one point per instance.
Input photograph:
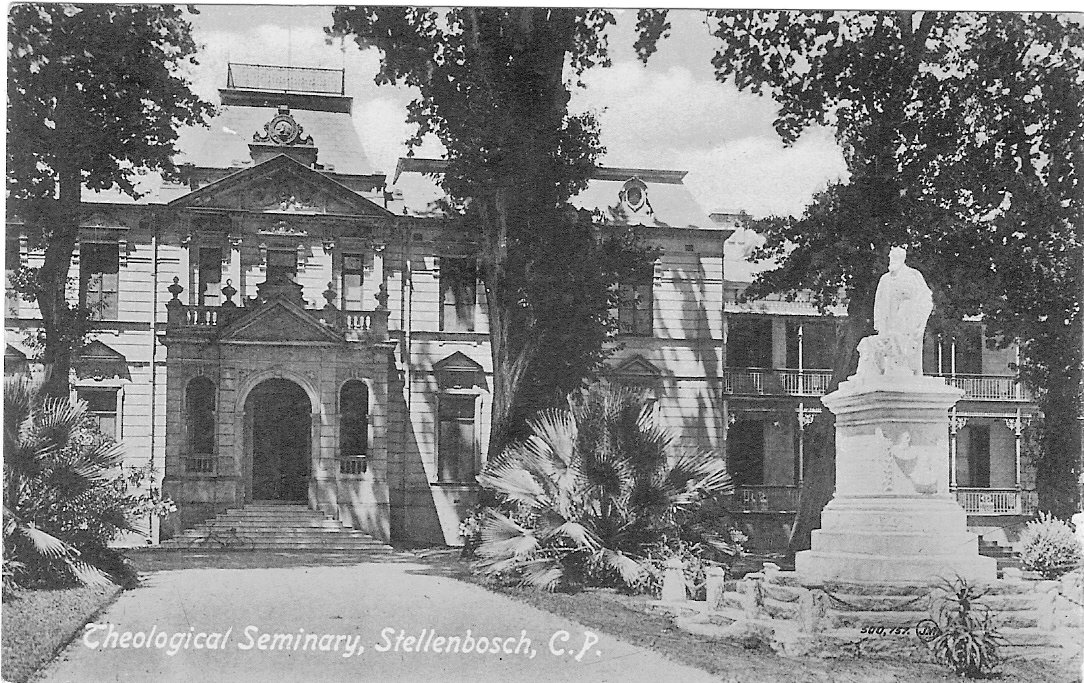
(749, 342)
(457, 449)
(209, 275)
(99, 279)
(978, 456)
(745, 451)
(12, 263)
(102, 407)
(818, 340)
(353, 267)
(969, 351)
(458, 294)
(281, 265)
(635, 304)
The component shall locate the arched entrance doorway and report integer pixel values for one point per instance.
(278, 433)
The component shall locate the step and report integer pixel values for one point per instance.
(259, 523)
(280, 546)
(315, 533)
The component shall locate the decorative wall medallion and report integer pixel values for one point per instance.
(283, 129)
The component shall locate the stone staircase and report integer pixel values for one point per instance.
(274, 525)
(1005, 555)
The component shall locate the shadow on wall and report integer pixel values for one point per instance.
(417, 507)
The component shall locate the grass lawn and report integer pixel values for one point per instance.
(612, 614)
(38, 623)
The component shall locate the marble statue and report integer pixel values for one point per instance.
(900, 311)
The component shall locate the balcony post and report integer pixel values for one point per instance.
(955, 424)
(1016, 425)
(233, 271)
(378, 270)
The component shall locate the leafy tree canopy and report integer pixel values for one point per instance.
(492, 88)
(96, 94)
(100, 85)
(964, 139)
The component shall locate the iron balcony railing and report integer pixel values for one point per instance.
(776, 382)
(975, 501)
(761, 498)
(790, 382)
(986, 501)
(988, 387)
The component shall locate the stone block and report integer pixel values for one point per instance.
(714, 587)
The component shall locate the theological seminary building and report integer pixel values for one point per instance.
(287, 323)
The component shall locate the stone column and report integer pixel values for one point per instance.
(893, 518)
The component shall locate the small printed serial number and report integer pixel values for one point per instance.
(886, 630)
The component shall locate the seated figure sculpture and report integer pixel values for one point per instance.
(900, 311)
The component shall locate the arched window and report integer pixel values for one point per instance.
(200, 408)
(354, 419)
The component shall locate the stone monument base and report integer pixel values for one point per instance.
(901, 541)
(893, 519)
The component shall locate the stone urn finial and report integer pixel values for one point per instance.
(382, 297)
(329, 295)
(175, 289)
(229, 291)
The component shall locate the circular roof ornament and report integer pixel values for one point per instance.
(283, 129)
(634, 194)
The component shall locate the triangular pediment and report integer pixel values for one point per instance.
(281, 186)
(99, 360)
(637, 365)
(279, 321)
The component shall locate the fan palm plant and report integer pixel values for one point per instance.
(588, 490)
(64, 498)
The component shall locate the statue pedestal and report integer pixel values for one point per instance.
(892, 519)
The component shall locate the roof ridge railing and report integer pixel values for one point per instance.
(299, 79)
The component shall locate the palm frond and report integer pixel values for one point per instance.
(515, 484)
(558, 430)
(46, 544)
(579, 534)
(544, 573)
(502, 537)
(630, 571)
(88, 574)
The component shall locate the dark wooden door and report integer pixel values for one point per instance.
(281, 437)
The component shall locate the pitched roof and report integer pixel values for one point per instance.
(671, 203)
(225, 143)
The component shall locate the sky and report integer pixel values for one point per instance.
(671, 114)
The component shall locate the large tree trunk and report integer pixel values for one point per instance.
(819, 476)
(1059, 467)
(60, 321)
(536, 105)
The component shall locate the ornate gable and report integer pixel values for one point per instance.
(281, 185)
(279, 321)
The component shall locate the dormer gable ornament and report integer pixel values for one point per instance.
(283, 129)
(633, 196)
(283, 135)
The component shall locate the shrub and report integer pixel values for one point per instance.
(589, 491)
(1048, 546)
(66, 493)
(968, 642)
